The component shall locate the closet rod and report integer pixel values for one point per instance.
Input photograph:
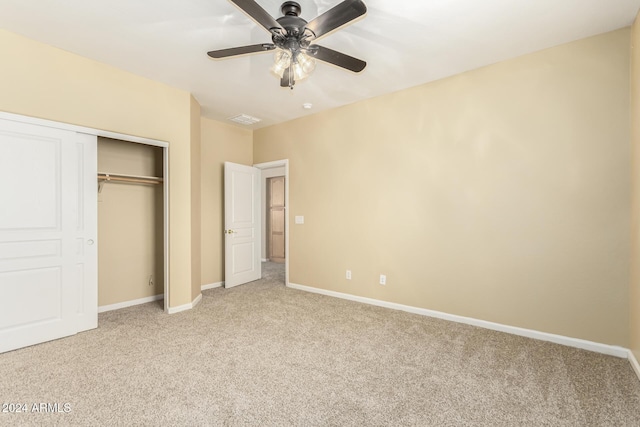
(129, 178)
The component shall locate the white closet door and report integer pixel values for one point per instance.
(48, 227)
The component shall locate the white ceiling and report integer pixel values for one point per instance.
(405, 43)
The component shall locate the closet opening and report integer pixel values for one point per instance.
(132, 224)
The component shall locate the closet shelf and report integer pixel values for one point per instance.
(134, 179)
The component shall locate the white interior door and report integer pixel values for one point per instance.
(242, 224)
(48, 227)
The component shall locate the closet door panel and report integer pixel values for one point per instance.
(40, 186)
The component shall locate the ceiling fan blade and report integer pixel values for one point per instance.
(257, 13)
(287, 79)
(337, 58)
(337, 16)
(243, 50)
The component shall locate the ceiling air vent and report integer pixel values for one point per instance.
(244, 119)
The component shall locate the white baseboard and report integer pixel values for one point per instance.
(211, 286)
(529, 333)
(196, 301)
(131, 303)
(185, 307)
(265, 259)
(634, 363)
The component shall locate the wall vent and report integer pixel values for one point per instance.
(244, 119)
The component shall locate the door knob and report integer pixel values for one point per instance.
(90, 242)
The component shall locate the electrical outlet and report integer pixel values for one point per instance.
(348, 274)
(383, 279)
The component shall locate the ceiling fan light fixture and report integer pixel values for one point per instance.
(303, 65)
(282, 61)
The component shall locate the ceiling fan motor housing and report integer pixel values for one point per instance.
(291, 22)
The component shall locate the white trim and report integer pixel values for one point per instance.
(211, 286)
(131, 303)
(178, 309)
(81, 129)
(197, 300)
(529, 333)
(265, 259)
(287, 253)
(634, 363)
(165, 225)
(185, 307)
(271, 165)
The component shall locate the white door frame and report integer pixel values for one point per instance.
(130, 138)
(278, 164)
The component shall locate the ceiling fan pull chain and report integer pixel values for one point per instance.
(291, 77)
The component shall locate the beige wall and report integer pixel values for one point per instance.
(196, 206)
(634, 294)
(220, 142)
(500, 194)
(42, 81)
(130, 224)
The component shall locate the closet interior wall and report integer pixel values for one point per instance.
(130, 224)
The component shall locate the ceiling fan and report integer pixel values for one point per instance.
(292, 37)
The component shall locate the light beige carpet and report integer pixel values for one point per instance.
(265, 355)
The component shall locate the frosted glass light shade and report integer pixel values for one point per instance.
(282, 60)
(303, 66)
